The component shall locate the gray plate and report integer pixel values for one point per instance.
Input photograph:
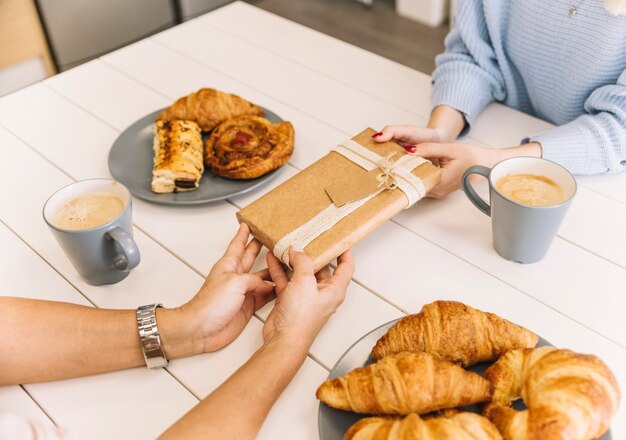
(333, 423)
(131, 160)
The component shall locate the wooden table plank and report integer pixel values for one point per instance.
(15, 401)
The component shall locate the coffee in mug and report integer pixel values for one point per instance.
(88, 211)
(92, 221)
(528, 199)
(531, 189)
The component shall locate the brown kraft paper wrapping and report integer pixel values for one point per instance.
(302, 197)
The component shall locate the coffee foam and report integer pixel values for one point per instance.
(88, 211)
(530, 189)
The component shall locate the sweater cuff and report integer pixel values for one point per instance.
(566, 145)
(464, 93)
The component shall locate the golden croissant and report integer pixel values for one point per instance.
(568, 395)
(450, 425)
(404, 383)
(209, 108)
(456, 332)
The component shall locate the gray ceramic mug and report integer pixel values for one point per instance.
(102, 255)
(521, 233)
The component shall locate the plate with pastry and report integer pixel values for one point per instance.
(455, 372)
(207, 146)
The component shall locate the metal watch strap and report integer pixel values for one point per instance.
(149, 336)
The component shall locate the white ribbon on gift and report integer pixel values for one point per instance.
(396, 174)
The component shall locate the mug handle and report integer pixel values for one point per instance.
(469, 190)
(130, 257)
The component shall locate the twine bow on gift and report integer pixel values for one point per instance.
(393, 174)
(387, 178)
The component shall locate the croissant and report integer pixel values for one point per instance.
(568, 395)
(404, 383)
(456, 332)
(209, 108)
(449, 425)
(248, 147)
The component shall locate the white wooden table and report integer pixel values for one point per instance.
(61, 130)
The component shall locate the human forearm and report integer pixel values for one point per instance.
(252, 390)
(447, 121)
(45, 340)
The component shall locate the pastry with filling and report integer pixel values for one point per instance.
(248, 147)
(178, 162)
(209, 108)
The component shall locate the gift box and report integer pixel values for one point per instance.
(328, 207)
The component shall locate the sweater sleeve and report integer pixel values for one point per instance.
(467, 76)
(595, 142)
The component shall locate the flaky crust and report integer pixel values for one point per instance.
(248, 147)
(568, 395)
(450, 425)
(209, 108)
(178, 162)
(404, 383)
(456, 332)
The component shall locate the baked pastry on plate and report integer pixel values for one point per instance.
(248, 147)
(456, 332)
(404, 383)
(569, 395)
(448, 425)
(178, 162)
(209, 108)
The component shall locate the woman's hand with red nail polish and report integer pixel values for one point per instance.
(408, 135)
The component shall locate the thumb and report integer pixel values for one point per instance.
(301, 263)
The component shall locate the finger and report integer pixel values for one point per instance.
(264, 274)
(301, 263)
(262, 296)
(429, 150)
(249, 282)
(323, 274)
(406, 134)
(345, 270)
(237, 245)
(277, 272)
(250, 253)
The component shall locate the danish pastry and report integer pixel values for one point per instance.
(209, 108)
(248, 146)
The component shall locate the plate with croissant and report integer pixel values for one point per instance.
(455, 372)
(206, 146)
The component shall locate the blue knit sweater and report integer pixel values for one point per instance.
(531, 55)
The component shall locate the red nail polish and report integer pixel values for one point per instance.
(375, 135)
(410, 148)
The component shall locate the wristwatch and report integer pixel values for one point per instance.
(153, 351)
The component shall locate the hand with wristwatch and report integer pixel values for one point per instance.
(212, 319)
